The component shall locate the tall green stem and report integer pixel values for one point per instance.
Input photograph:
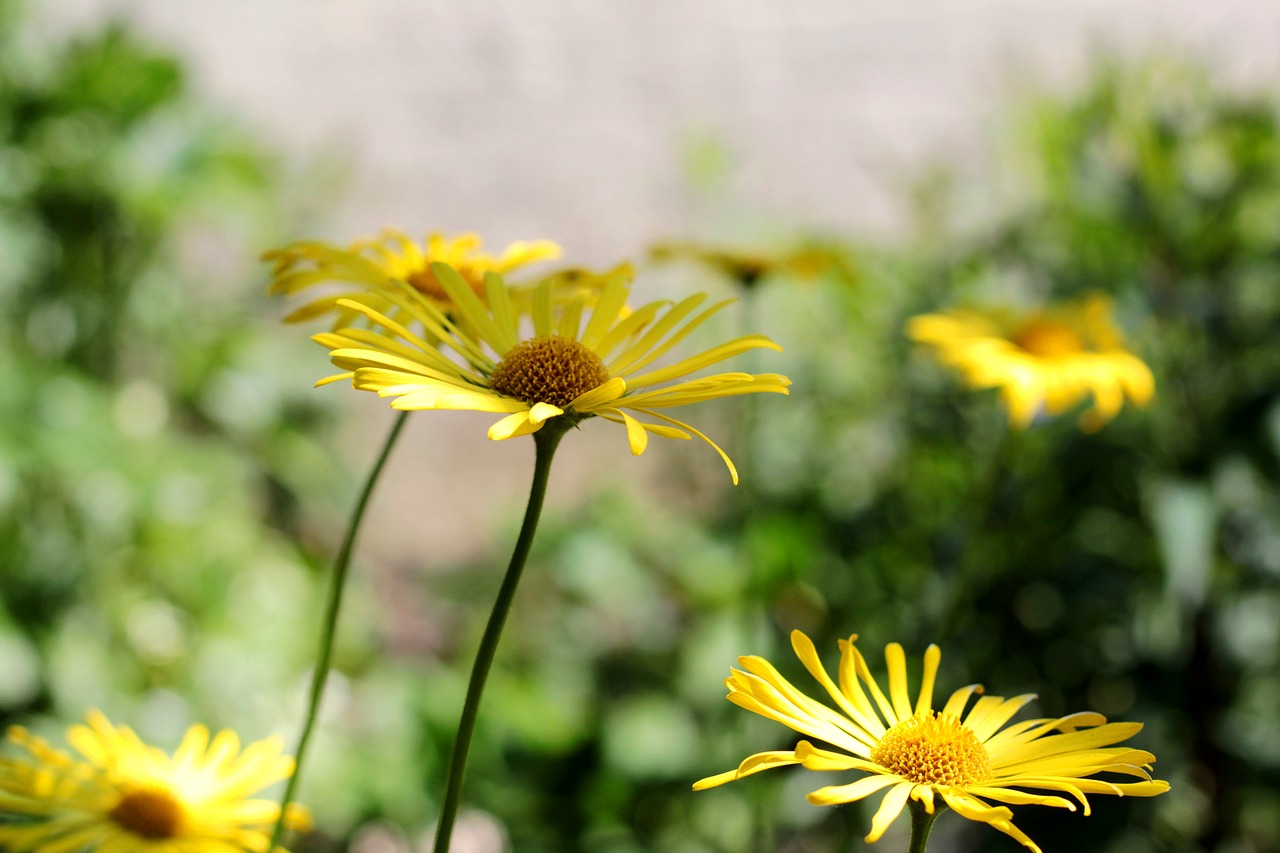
(922, 823)
(545, 441)
(337, 583)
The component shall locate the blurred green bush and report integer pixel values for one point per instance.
(164, 478)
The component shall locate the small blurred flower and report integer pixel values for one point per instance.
(919, 753)
(1046, 361)
(571, 366)
(808, 261)
(373, 265)
(124, 796)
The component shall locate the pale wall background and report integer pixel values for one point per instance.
(569, 119)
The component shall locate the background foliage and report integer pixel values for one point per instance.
(163, 476)
(155, 434)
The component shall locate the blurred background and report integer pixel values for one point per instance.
(170, 484)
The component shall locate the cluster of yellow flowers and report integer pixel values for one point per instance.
(439, 326)
(445, 331)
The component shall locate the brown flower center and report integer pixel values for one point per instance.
(425, 282)
(551, 369)
(930, 749)
(1048, 338)
(149, 812)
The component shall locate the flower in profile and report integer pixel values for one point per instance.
(809, 261)
(586, 358)
(962, 759)
(367, 269)
(122, 796)
(1048, 361)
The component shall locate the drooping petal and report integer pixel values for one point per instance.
(512, 426)
(754, 764)
(890, 808)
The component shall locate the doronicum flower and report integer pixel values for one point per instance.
(367, 269)
(808, 261)
(122, 796)
(1047, 361)
(579, 361)
(963, 759)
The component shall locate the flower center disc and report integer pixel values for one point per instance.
(1048, 338)
(425, 282)
(551, 369)
(149, 813)
(929, 749)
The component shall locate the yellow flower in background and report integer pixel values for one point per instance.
(1047, 361)
(963, 759)
(123, 796)
(589, 357)
(373, 266)
(808, 261)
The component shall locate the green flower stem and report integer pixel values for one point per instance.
(545, 442)
(922, 823)
(337, 583)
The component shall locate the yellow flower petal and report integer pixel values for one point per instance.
(754, 764)
(512, 426)
(539, 413)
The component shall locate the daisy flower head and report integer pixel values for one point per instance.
(1046, 361)
(962, 759)
(367, 269)
(573, 360)
(808, 261)
(120, 795)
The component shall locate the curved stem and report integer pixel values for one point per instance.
(545, 441)
(922, 823)
(337, 583)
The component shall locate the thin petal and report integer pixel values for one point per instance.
(512, 426)
(896, 661)
(890, 807)
(733, 471)
(540, 412)
(599, 396)
(834, 795)
(932, 657)
(638, 438)
(756, 763)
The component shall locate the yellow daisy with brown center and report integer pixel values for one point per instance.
(373, 265)
(1042, 362)
(589, 356)
(122, 796)
(961, 758)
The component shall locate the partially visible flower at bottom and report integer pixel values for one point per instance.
(123, 796)
(1047, 361)
(923, 754)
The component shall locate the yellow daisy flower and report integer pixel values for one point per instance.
(919, 753)
(808, 261)
(575, 365)
(372, 265)
(1046, 361)
(123, 796)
